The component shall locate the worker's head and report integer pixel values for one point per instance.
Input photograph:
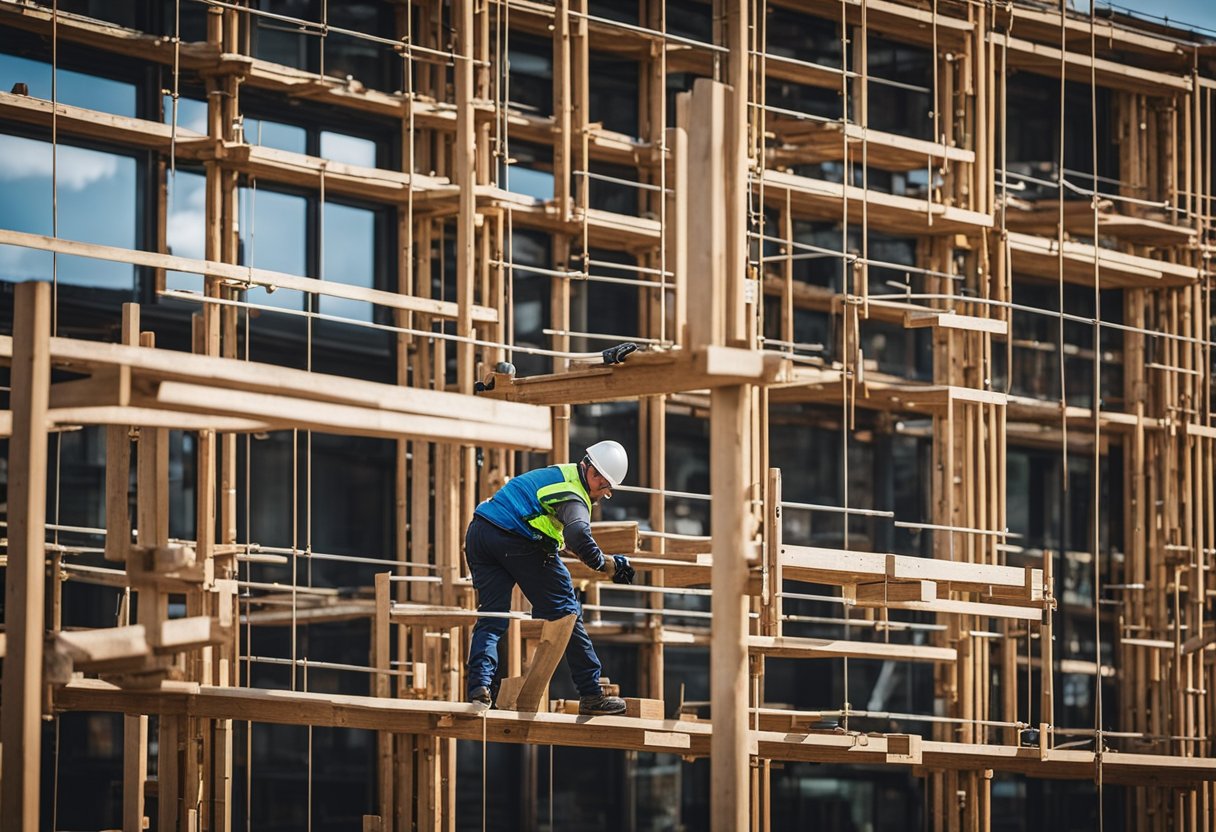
(604, 467)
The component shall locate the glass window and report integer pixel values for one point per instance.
(530, 296)
(898, 109)
(260, 131)
(613, 10)
(273, 229)
(97, 205)
(350, 253)
(531, 173)
(692, 19)
(531, 79)
(74, 88)
(186, 226)
(614, 95)
(191, 114)
(336, 54)
(372, 64)
(281, 42)
(350, 149)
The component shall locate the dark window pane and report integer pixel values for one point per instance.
(614, 95)
(531, 75)
(283, 43)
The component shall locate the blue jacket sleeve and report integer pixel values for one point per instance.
(576, 519)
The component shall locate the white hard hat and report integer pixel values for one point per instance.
(610, 459)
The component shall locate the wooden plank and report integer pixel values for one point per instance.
(644, 375)
(1047, 60)
(817, 648)
(327, 417)
(25, 577)
(119, 418)
(669, 740)
(530, 693)
(838, 567)
(812, 141)
(1033, 256)
(951, 320)
(468, 722)
(620, 537)
(109, 386)
(242, 276)
(170, 365)
(881, 593)
(100, 126)
(891, 213)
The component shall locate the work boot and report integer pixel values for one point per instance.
(600, 705)
(480, 696)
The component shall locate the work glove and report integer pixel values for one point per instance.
(623, 573)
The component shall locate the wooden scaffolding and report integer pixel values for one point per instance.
(724, 183)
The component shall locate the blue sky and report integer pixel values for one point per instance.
(1196, 13)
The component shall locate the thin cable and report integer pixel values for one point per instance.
(1096, 478)
(55, 780)
(54, 163)
(1060, 254)
(484, 723)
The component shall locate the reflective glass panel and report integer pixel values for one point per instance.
(273, 134)
(186, 226)
(350, 240)
(96, 205)
(74, 88)
(191, 114)
(273, 233)
(350, 149)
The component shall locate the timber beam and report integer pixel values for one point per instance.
(689, 738)
(643, 375)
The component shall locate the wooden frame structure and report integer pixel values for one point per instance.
(720, 193)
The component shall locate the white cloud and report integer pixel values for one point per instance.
(185, 233)
(78, 168)
(19, 263)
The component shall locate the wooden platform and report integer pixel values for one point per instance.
(465, 722)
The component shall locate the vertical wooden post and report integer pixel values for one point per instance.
(740, 326)
(462, 13)
(25, 580)
(770, 612)
(381, 629)
(728, 651)
(720, 265)
(134, 771)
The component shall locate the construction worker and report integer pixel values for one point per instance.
(515, 537)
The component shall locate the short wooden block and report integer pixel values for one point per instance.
(904, 748)
(643, 708)
(880, 592)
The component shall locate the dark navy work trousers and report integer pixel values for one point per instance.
(499, 560)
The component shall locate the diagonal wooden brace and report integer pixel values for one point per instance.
(526, 693)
